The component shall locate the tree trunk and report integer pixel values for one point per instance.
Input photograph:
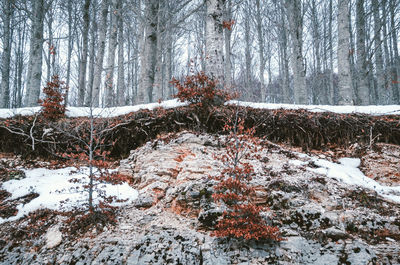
(149, 52)
(92, 57)
(112, 45)
(396, 60)
(100, 54)
(84, 55)
(284, 58)
(121, 67)
(247, 48)
(295, 18)
(363, 89)
(344, 83)
(156, 90)
(228, 36)
(332, 93)
(260, 37)
(215, 40)
(70, 47)
(380, 77)
(6, 56)
(34, 76)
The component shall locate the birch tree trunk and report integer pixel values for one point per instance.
(295, 19)
(149, 52)
(215, 40)
(363, 89)
(100, 54)
(344, 82)
(6, 56)
(84, 55)
(121, 67)
(34, 76)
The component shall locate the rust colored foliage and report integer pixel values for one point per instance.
(53, 107)
(228, 24)
(200, 90)
(242, 218)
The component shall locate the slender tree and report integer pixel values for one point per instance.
(295, 18)
(215, 40)
(6, 56)
(35, 53)
(345, 85)
(84, 55)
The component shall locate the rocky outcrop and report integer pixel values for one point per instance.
(322, 220)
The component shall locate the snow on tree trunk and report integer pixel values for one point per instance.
(35, 55)
(215, 40)
(344, 83)
(295, 19)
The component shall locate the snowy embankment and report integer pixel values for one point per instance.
(61, 190)
(117, 111)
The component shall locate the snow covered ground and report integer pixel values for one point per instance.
(348, 172)
(57, 192)
(371, 109)
(116, 111)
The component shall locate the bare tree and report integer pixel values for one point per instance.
(35, 53)
(215, 40)
(363, 89)
(84, 55)
(295, 18)
(345, 85)
(380, 90)
(100, 53)
(121, 66)
(6, 56)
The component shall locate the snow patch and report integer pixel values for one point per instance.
(57, 192)
(347, 172)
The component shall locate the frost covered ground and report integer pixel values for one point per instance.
(60, 189)
(117, 111)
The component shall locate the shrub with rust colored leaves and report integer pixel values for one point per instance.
(200, 90)
(242, 218)
(53, 104)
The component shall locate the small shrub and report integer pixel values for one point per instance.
(242, 219)
(53, 107)
(200, 90)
